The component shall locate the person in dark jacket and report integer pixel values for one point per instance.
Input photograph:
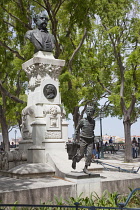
(134, 148)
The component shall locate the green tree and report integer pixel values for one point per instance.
(12, 78)
(69, 27)
(99, 41)
(119, 57)
(77, 80)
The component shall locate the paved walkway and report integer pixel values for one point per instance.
(117, 160)
(112, 163)
(10, 184)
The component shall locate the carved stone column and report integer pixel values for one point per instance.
(43, 119)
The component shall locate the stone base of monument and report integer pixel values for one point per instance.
(36, 154)
(44, 118)
(57, 157)
(51, 159)
(33, 170)
(86, 184)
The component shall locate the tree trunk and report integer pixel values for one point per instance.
(76, 115)
(128, 147)
(4, 128)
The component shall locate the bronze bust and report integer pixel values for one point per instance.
(40, 37)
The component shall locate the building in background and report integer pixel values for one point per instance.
(116, 139)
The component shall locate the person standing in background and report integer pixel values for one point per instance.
(110, 140)
(134, 148)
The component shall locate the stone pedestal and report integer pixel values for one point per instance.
(36, 154)
(64, 130)
(44, 126)
(38, 131)
(86, 184)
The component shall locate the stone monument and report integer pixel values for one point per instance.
(44, 126)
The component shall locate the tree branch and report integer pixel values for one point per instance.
(98, 79)
(8, 23)
(132, 105)
(13, 51)
(122, 103)
(40, 4)
(6, 93)
(24, 24)
(21, 6)
(119, 62)
(56, 9)
(49, 9)
(77, 49)
(134, 77)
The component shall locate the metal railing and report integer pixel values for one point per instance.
(116, 167)
(76, 206)
(122, 205)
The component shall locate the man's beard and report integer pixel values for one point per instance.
(44, 25)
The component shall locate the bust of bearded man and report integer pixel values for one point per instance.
(40, 37)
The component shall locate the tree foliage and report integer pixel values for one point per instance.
(99, 40)
(120, 38)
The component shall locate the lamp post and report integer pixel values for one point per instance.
(101, 115)
(15, 137)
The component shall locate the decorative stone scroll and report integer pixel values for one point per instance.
(52, 70)
(37, 72)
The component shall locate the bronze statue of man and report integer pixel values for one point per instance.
(87, 126)
(40, 37)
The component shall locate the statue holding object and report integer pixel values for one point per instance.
(87, 126)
